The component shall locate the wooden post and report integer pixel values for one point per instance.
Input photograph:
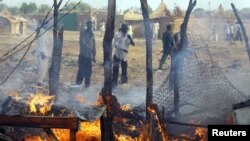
(73, 135)
(56, 55)
(242, 29)
(148, 36)
(148, 32)
(179, 58)
(107, 119)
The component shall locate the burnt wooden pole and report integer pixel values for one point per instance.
(179, 57)
(54, 70)
(242, 29)
(107, 119)
(148, 36)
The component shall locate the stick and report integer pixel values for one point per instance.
(243, 30)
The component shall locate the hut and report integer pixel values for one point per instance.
(161, 15)
(11, 24)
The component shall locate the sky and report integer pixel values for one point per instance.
(124, 4)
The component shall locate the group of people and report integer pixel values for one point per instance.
(87, 54)
(122, 41)
(232, 32)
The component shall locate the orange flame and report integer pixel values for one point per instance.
(32, 138)
(125, 107)
(40, 103)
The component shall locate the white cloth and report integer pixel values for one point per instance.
(130, 30)
(155, 29)
(121, 43)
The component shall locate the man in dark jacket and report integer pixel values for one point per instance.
(167, 41)
(87, 55)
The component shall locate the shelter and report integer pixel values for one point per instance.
(12, 24)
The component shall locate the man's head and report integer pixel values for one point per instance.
(89, 25)
(169, 27)
(124, 28)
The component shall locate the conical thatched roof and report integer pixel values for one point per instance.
(161, 11)
(130, 15)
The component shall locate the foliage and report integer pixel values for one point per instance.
(3, 6)
(199, 13)
(82, 7)
(43, 9)
(28, 8)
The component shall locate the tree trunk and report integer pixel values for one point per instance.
(179, 58)
(243, 30)
(148, 33)
(54, 70)
(107, 119)
(148, 36)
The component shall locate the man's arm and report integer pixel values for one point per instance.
(131, 40)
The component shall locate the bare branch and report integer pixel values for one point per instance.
(243, 30)
(60, 2)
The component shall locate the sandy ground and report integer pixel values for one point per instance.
(232, 59)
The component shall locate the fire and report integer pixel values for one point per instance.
(32, 138)
(88, 131)
(40, 103)
(202, 133)
(15, 95)
(125, 107)
(79, 98)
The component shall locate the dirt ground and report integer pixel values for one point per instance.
(232, 58)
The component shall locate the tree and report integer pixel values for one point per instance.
(178, 12)
(54, 70)
(3, 7)
(148, 36)
(32, 7)
(28, 8)
(82, 7)
(199, 13)
(245, 13)
(44, 8)
(24, 8)
(107, 133)
(243, 30)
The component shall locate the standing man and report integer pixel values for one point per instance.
(155, 28)
(238, 36)
(87, 55)
(122, 40)
(167, 41)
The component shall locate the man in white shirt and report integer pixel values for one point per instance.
(155, 28)
(122, 40)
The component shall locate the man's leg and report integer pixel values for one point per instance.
(116, 62)
(163, 60)
(124, 65)
(88, 71)
(80, 75)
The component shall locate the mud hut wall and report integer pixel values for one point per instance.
(138, 26)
